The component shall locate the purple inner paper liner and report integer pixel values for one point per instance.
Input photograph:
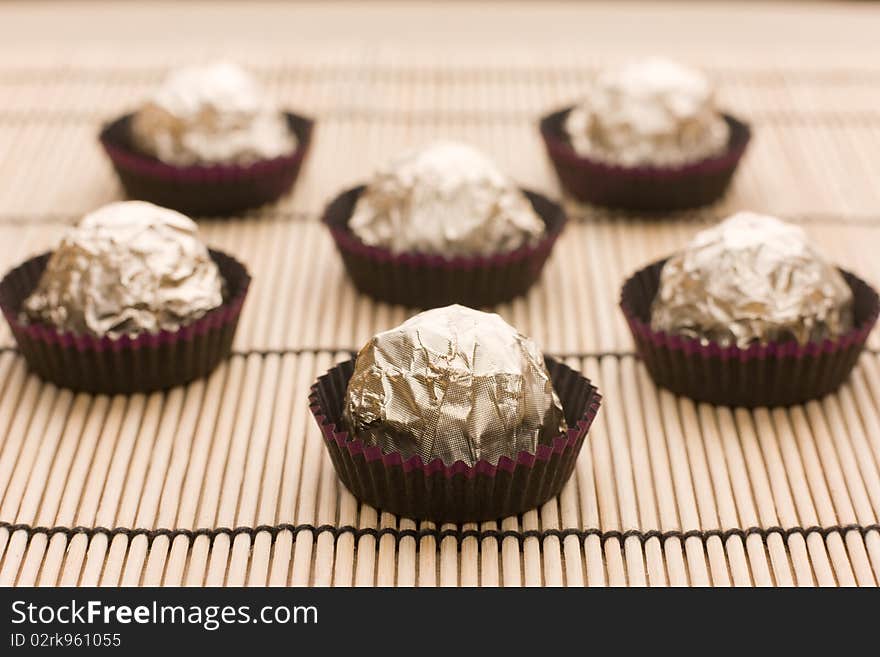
(642, 188)
(455, 492)
(128, 364)
(772, 374)
(420, 280)
(200, 190)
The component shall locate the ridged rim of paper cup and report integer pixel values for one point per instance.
(147, 165)
(566, 445)
(775, 374)
(554, 221)
(790, 349)
(643, 188)
(420, 280)
(215, 318)
(215, 190)
(552, 129)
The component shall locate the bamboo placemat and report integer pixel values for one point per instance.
(226, 482)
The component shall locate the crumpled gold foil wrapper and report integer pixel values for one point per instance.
(445, 199)
(456, 384)
(651, 112)
(215, 114)
(752, 278)
(127, 268)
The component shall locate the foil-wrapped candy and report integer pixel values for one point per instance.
(445, 199)
(651, 112)
(214, 114)
(456, 384)
(127, 268)
(752, 278)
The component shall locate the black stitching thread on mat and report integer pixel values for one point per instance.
(349, 350)
(439, 535)
(297, 351)
(621, 353)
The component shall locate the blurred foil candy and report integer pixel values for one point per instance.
(752, 278)
(126, 268)
(651, 112)
(456, 384)
(211, 115)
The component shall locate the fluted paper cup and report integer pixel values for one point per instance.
(204, 190)
(642, 188)
(421, 280)
(454, 492)
(128, 364)
(772, 374)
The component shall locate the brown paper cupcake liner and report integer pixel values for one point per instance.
(128, 364)
(773, 374)
(642, 188)
(457, 492)
(203, 190)
(420, 280)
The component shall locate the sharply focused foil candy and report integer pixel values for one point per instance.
(446, 199)
(752, 278)
(127, 268)
(456, 384)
